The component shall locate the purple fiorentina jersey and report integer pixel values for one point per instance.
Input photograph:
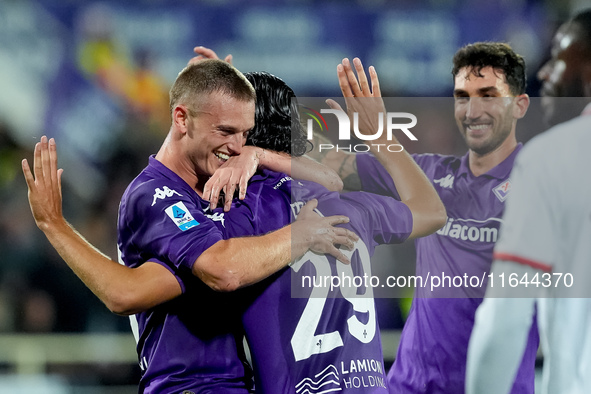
(324, 339)
(189, 343)
(433, 348)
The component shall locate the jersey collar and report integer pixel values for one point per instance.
(500, 171)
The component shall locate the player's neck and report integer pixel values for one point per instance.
(168, 156)
(481, 164)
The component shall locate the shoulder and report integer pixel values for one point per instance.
(151, 195)
(438, 167)
(434, 160)
(424, 160)
(151, 191)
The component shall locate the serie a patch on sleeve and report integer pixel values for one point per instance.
(181, 216)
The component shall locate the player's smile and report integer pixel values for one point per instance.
(223, 157)
(477, 129)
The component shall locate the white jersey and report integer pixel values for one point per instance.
(545, 241)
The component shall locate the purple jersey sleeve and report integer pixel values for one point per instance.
(388, 220)
(173, 229)
(375, 178)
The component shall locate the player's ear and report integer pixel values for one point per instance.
(180, 117)
(521, 106)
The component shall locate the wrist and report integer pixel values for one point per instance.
(56, 225)
(260, 156)
(300, 241)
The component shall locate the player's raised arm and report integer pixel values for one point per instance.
(235, 173)
(204, 53)
(122, 289)
(363, 97)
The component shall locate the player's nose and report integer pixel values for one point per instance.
(236, 143)
(474, 108)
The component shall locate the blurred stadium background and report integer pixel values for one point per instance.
(95, 76)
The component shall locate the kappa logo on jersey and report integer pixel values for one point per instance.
(217, 217)
(180, 216)
(503, 190)
(446, 182)
(162, 194)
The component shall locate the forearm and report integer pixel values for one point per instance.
(415, 190)
(122, 289)
(237, 262)
(310, 170)
(300, 168)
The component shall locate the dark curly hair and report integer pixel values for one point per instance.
(499, 56)
(277, 125)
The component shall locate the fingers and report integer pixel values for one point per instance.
(229, 196)
(308, 208)
(375, 83)
(242, 187)
(215, 194)
(53, 176)
(195, 59)
(59, 181)
(37, 165)
(45, 171)
(207, 189)
(345, 237)
(365, 91)
(204, 53)
(45, 165)
(213, 187)
(28, 175)
(357, 86)
(333, 104)
(344, 82)
(340, 256)
(337, 219)
(207, 53)
(353, 82)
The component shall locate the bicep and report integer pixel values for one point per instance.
(155, 285)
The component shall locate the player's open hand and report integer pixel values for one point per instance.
(321, 235)
(234, 173)
(204, 53)
(360, 97)
(45, 191)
